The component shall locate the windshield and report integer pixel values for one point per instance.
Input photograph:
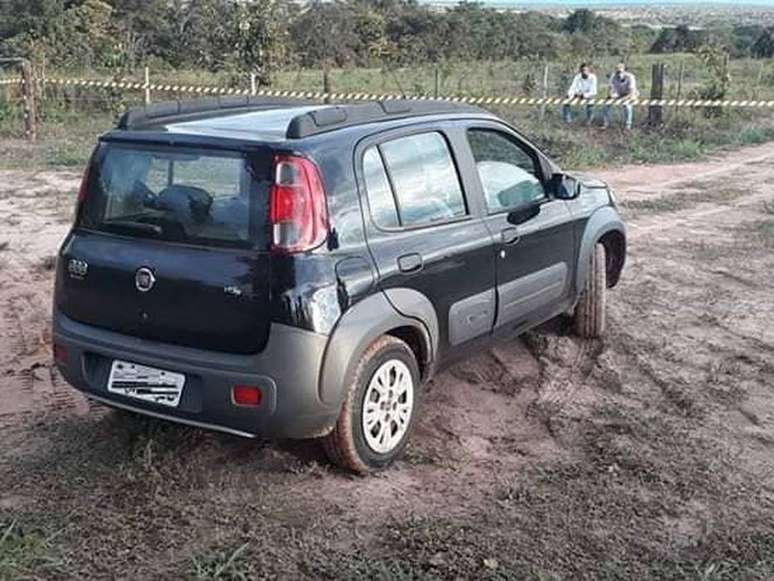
(182, 195)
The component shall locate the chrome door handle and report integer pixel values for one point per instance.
(410, 262)
(510, 236)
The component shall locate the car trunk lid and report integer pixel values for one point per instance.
(172, 244)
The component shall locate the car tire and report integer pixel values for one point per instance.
(589, 319)
(380, 411)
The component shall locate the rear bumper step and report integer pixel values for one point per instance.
(168, 417)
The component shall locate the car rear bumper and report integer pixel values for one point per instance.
(287, 371)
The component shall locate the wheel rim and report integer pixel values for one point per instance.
(387, 406)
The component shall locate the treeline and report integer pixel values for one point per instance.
(263, 36)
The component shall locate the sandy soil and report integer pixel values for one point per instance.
(650, 453)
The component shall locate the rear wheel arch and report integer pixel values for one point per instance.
(357, 329)
(418, 342)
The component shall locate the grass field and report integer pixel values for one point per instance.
(750, 78)
(72, 117)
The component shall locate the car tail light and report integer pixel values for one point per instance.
(299, 216)
(83, 191)
(60, 354)
(247, 395)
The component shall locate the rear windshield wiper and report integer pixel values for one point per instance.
(132, 225)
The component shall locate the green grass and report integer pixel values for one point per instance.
(750, 78)
(72, 117)
(223, 565)
(21, 552)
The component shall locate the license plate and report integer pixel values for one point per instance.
(146, 383)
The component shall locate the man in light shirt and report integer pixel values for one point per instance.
(623, 85)
(584, 86)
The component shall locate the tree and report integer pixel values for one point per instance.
(764, 45)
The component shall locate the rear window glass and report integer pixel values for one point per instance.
(179, 195)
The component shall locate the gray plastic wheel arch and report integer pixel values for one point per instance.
(366, 321)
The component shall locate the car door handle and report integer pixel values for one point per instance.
(510, 236)
(410, 262)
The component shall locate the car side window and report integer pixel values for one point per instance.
(509, 175)
(425, 181)
(380, 198)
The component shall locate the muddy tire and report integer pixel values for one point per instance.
(380, 412)
(589, 319)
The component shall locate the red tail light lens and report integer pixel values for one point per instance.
(83, 191)
(299, 216)
(247, 395)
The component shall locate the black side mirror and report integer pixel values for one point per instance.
(521, 215)
(565, 187)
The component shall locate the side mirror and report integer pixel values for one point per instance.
(565, 187)
(524, 214)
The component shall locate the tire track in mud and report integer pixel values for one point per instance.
(568, 364)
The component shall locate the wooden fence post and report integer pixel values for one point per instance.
(326, 82)
(28, 100)
(656, 112)
(147, 86)
(545, 91)
(679, 95)
(437, 82)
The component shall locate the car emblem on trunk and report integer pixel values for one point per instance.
(144, 279)
(77, 268)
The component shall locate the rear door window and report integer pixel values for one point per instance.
(380, 197)
(180, 195)
(415, 179)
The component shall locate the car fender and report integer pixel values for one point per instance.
(365, 322)
(602, 221)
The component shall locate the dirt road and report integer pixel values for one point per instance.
(648, 454)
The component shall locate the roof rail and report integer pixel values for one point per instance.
(158, 113)
(329, 117)
(319, 120)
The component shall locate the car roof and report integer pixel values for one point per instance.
(262, 119)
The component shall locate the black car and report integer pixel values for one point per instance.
(299, 270)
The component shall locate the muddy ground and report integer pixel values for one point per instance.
(648, 454)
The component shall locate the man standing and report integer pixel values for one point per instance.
(584, 86)
(623, 85)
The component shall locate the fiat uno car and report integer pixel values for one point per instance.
(299, 270)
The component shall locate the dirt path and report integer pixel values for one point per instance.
(34, 218)
(648, 454)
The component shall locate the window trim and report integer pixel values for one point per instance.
(389, 185)
(524, 147)
(377, 141)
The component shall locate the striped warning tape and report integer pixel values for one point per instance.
(211, 90)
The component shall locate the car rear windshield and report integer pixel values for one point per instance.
(187, 195)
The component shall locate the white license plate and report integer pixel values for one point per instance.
(146, 383)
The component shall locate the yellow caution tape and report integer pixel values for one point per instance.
(319, 95)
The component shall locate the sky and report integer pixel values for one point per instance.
(574, 3)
